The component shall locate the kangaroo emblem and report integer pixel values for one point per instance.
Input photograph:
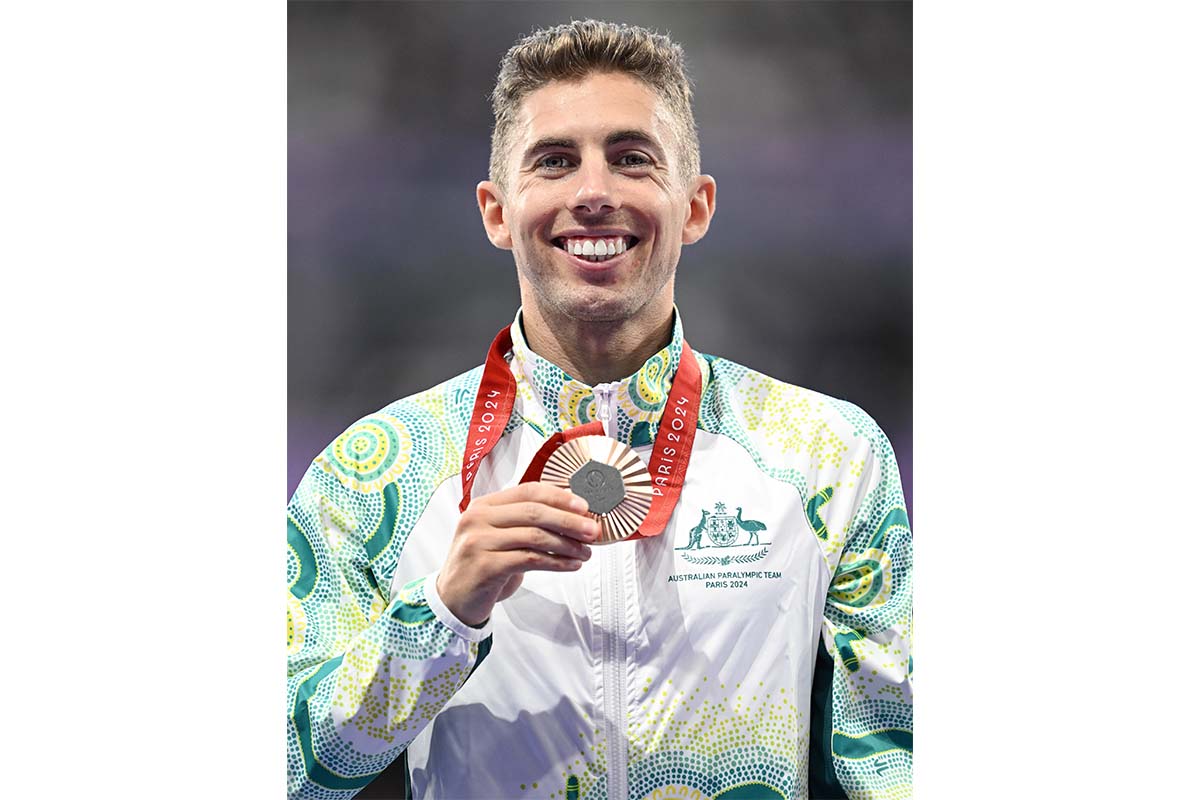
(694, 536)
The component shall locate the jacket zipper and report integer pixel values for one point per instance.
(612, 631)
(604, 393)
(613, 635)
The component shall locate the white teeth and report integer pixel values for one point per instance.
(596, 249)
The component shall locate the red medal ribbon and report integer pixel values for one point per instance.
(493, 407)
(673, 445)
(668, 460)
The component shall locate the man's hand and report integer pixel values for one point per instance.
(502, 536)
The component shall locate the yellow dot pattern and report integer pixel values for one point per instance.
(790, 420)
(383, 678)
(863, 583)
(794, 434)
(386, 704)
(589, 767)
(297, 624)
(681, 720)
(732, 733)
(547, 391)
(803, 437)
(370, 454)
(393, 676)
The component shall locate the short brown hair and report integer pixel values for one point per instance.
(571, 52)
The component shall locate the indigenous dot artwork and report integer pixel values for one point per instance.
(712, 742)
(351, 715)
(638, 401)
(642, 399)
(868, 630)
(575, 404)
(584, 775)
(369, 455)
(879, 547)
(297, 625)
(785, 429)
(868, 610)
(873, 760)
(789, 419)
(721, 412)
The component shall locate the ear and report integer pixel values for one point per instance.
(491, 208)
(701, 208)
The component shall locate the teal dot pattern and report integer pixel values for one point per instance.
(801, 438)
(719, 414)
(711, 775)
(804, 439)
(543, 386)
(398, 664)
(874, 695)
(370, 454)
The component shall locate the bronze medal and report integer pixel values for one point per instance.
(610, 476)
(642, 505)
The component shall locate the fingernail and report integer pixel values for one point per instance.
(579, 505)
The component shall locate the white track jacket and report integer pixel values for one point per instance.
(759, 646)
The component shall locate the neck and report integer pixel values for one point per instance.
(595, 352)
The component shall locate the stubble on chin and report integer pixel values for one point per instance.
(559, 299)
(586, 304)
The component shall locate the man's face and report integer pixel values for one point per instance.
(594, 166)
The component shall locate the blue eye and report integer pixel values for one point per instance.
(554, 162)
(633, 160)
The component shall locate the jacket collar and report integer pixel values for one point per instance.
(550, 400)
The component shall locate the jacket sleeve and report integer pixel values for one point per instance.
(368, 668)
(862, 690)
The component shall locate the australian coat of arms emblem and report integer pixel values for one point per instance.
(725, 530)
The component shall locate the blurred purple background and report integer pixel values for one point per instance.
(804, 113)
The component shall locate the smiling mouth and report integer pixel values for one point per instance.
(600, 248)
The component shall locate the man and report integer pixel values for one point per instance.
(441, 608)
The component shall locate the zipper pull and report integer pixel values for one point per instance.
(604, 397)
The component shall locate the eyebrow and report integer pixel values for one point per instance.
(630, 135)
(616, 137)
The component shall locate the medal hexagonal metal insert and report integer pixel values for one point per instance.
(599, 484)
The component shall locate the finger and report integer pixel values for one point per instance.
(540, 540)
(539, 515)
(533, 560)
(538, 492)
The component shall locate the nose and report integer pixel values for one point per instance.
(596, 193)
